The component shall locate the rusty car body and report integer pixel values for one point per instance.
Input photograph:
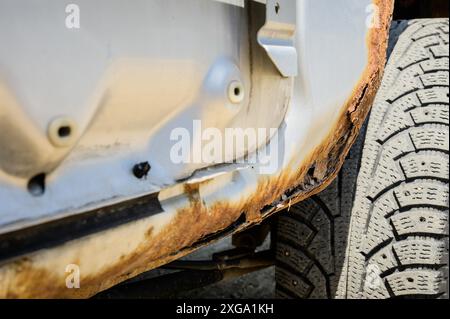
(86, 115)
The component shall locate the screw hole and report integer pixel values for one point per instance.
(423, 219)
(423, 163)
(410, 279)
(236, 92)
(64, 131)
(384, 256)
(61, 131)
(36, 185)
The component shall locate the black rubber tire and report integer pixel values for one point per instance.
(380, 230)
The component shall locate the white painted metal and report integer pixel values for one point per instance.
(277, 36)
(132, 73)
(239, 3)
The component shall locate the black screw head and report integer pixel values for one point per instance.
(141, 170)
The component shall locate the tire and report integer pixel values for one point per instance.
(380, 230)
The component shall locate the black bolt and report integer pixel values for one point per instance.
(141, 170)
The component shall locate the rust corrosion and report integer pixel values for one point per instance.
(32, 276)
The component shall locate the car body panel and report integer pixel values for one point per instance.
(322, 110)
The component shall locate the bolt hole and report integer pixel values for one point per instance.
(64, 131)
(410, 279)
(61, 131)
(277, 8)
(423, 219)
(36, 185)
(235, 92)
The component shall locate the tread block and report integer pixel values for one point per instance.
(320, 246)
(419, 193)
(378, 229)
(426, 31)
(407, 84)
(293, 257)
(439, 78)
(433, 96)
(331, 198)
(417, 56)
(387, 174)
(374, 287)
(378, 233)
(292, 282)
(397, 121)
(320, 288)
(397, 145)
(425, 165)
(385, 205)
(416, 282)
(430, 40)
(305, 209)
(384, 259)
(440, 51)
(421, 252)
(421, 221)
(437, 21)
(435, 65)
(430, 138)
(295, 231)
(431, 114)
(444, 29)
